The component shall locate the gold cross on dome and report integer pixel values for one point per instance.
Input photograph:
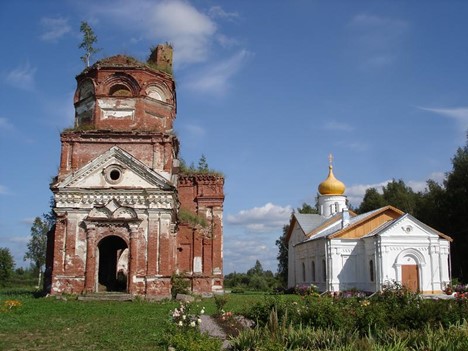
(330, 159)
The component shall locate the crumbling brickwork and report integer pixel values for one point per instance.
(119, 194)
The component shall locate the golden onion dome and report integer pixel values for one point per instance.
(331, 185)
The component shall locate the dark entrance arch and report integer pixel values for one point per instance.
(113, 264)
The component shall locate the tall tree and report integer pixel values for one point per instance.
(456, 187)
(399, 195)
(7, 264)
(282, 245)
(89, 39)
(371, 201)
(256, 270)
(396, 193)
(431, 207)
(37, 245)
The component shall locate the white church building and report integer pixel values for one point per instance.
(338, 250)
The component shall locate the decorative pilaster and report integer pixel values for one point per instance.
(133, 257)
(90, 273)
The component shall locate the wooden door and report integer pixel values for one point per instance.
(410, 277)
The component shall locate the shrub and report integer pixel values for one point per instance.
(220, 301)
(237, 291)
(306, 289)
(260, 311)
(188, 340)
(179, 285)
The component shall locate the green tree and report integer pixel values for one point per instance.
(371, 201)
(7, 264)
(282, 245)
(256, 270)
(432, 205)
(37, 244)
(396, 193)
(202, 164)
(456, 208)
(401, 196)
(89, 39)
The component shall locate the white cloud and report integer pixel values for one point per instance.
(19, 239)
(242, 250)
(54, 28)
(421, 185)
(225, 41)
(191, 31)
(218, 12)
(28, 221)
(381, 60)
(338, 126)
(5, 124)
(377, 39)
(394, 26)
(215, 79)
(262, 219)
(22, 77)
(459, 114)
(194, 130)
(355, 193)
(3, 190)
(352, 145)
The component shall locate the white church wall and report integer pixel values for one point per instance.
(295, 238)
(347, 264)
(409, 244)
(308, 255)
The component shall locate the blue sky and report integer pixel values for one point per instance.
(266, 90)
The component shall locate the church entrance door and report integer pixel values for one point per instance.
(113, 264)
(410, 277)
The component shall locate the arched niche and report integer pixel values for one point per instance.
(121, 85)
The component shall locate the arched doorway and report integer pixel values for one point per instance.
(408, 265)
(113, 264)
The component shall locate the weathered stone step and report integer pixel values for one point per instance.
(106, 296)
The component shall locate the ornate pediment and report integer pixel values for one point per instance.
(112, 211)
(115, 169)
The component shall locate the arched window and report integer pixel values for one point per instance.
(303, 272)
(156, 93)
(337, 207)
(324, 271)
(371, 270)
(313, 271)
(119, 90)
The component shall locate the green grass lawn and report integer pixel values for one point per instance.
(47, 323)
(51, 324)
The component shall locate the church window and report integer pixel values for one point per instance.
(155, 93)
(337, 207)
(119, 90)
(313, 271)
(113, 174)
(324, 271)
(303, 272)
(371, 270)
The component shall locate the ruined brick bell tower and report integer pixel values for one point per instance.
(119, 193)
